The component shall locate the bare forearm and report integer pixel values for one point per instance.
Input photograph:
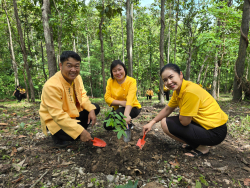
(117, 103)
(163, 113)
(127, 111)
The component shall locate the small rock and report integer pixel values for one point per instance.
(117, 179)
(110, 178)
(81, 170)
(90, 184)
(139, 183)
(226, 181)
(129, 178)
(99, 151)
(20, 150)
(172, 156)
(161, 171)
(68, 150)
(156, 130)
(56, 174)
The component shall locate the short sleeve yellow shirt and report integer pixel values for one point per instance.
(123, 92)
(196, 102)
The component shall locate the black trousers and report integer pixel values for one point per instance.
(133, 114)
(194, 134)
(83, 117)
(167, 95)
(22, 96)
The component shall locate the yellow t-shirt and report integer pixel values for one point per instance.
(196, 102)
(123, 92)
(22, 91)
(165, 88)
(148, 92)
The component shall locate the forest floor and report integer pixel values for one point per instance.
(29, 159)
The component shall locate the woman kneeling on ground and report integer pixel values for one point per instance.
(200, 122)
(121, 93)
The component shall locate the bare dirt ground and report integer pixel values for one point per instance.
(28, 158)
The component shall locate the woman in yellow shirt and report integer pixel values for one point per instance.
(121, 93)
(200, 122)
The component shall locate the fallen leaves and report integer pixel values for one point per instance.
(17, 180)
(174, 163)
(3, 124)
(21, 136)
(19, 165)
(14, 151)
(66, 163)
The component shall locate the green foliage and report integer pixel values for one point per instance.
(130, 184)
(116, 121)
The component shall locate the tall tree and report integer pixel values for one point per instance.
(129, 38)
(48, 38)
(22, 43)
(11, 46)
(240, 63)
(162, 47)
(102, 50)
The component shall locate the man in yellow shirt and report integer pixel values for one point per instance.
(22, 93)
(166, 92)
(149, 94)
(65, 108)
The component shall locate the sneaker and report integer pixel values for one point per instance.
(60, 143)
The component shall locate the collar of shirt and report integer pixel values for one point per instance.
(183, 87)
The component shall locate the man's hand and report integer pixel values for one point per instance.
(92, 117)
(85, 136)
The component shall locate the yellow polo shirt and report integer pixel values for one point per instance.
(196, 102)
(165, 88)
(122, 92)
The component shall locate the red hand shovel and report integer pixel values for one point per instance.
(98, 142)
(141, 142)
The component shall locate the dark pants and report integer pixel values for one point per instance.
(148, 97)
(17, 95)
(83, 117)
(194, 134)
(167, 95)
(133, 114)
(22, 96)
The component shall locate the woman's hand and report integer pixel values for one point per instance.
(128, 119)
(148, 127)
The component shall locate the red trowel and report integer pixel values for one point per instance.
(141, 142)
(98, 142)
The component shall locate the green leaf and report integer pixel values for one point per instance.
(119, 117)
(119, 134)
(198, 184)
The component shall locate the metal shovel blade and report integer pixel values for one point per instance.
(98, 142)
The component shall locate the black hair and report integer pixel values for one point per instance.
(171, 66)
(114, 64)
(67, 54)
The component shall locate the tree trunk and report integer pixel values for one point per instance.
(19, 28)
(129, 44)
(218, 83)
(169, 22)
(48, 38)
(74, 44)
(176, 24)
(214, 85)
(11, 48)
(122, 40)
(203, 82)
(26, 86)
(44, 73)
(102, 51)
(90, 78)
(189, 63)
(240, 62)
(199, 75)
(162, 48)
